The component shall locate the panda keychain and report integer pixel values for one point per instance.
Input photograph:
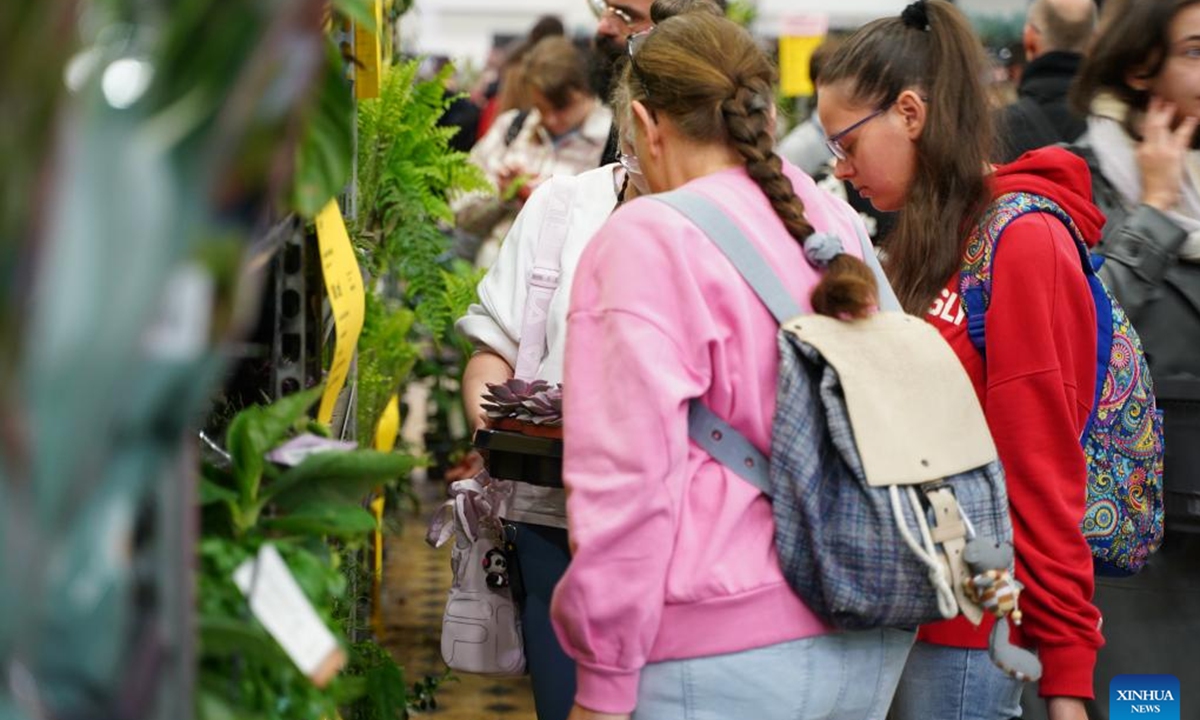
(495, 565)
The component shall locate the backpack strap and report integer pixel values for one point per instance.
(544, 278)
(720, 439)
(975, 279)
(514, 127)
(734, 244)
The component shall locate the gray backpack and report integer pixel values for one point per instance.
(882, 469)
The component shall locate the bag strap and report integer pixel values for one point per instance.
(718, 438)
(514, 127)
(544, 278)
(734, 244)
(975, 279)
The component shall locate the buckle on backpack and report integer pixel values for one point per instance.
(544, 278)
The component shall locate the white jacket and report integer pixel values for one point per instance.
(495, 321)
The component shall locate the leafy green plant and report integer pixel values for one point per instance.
(742, 12)
(386, 356)
(406, 176)
(247, 502)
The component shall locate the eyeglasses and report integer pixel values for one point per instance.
(630, 162)
(632, 45)
(600, 7)
(834, 141)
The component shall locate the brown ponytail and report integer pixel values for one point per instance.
(710, 77)
(930, 48)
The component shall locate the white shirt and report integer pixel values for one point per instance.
(495, 321)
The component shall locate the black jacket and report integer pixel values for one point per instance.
(1042, 115)
(1161, 295)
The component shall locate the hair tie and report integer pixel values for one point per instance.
(916, 16)
(758, 103)
(821, 248)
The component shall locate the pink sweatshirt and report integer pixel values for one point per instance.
(673, 555)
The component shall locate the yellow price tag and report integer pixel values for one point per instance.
(343, 283)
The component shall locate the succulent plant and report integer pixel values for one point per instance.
(537, 402)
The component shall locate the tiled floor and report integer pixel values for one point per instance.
(416, 579)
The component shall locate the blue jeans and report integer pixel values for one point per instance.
(948, 683)
(841, 676)
(542, 557)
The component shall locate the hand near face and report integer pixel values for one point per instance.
(1161, 154)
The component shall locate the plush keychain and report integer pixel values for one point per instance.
(495, 564)
(993, 587)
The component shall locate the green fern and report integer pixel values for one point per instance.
(407, 174)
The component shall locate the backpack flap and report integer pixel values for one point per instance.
(914, 413)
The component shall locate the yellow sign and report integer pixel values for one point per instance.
(385, 440)
(388, 426)
(794, 56)
(344, 285)
(368, 51)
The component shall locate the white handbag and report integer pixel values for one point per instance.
(481, 627)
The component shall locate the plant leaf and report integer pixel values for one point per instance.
(210, 706)
(341, 475)
(227, 637)
(325, 519)
(210, 493)
(387, 691)
(259, 428)
(360, 11)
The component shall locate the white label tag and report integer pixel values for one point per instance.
(295, 451)
(280, 605)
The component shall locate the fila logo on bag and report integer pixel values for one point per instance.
(1123, 438)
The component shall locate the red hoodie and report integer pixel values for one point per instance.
(1037, 387)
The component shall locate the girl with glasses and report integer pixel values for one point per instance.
(674, 602)
(911, 131)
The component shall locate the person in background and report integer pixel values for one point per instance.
(617, 21)
(462, 113)
(805, 147)
(674, 603)
(910, 125)
(1056, 34)
(564, 134)
(536, 514)
(486, 92)
(494, 325)
(514, 90)
(1139, 88)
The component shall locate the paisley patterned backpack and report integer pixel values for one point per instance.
(1123, 438)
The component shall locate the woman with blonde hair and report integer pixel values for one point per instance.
(674, 602)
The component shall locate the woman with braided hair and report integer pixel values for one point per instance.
(674, 600)
(908, 121)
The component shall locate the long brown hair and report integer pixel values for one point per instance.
(1136, 40)
(931, 49)
(707, 74)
